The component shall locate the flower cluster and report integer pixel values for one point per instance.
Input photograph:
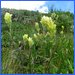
(8, 17)
(37, 26)
(29, 39)
(25, 37)
(49, 24)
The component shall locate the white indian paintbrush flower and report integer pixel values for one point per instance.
(7, 18)
(62, 27)
(25, 37)
(37, 26)
(61, 32)
(30, 41)
(35, 36)
(44, 20)
(49, 24)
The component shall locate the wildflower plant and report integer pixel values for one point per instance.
(8, 21)
(31, 42)
(48, 23)
(37, 27)
(25, 37)
(38, 52)
(8, 18)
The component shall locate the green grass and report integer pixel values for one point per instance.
(60, 58)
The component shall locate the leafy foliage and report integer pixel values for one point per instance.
(33, 49)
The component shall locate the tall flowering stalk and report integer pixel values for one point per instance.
(8, 21)
(49, 31)
(50, 27)
(30, 43)
(25, 39)
(31, 58)
(48, 23)
(62, 32)
(37, 27)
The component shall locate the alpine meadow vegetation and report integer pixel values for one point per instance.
(44, 45)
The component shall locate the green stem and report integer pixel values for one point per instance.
(30, 60)
(32, 57)
(10, 51)
(11, 48)
(10, 38)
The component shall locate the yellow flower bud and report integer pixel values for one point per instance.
(30, 41)
(37, 26)
(8, 17)
(61, 32)
(19, 42)
(25, 37)
(38, 34)
(35, 36)
(62, 27)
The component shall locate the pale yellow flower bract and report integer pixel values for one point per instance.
(37, 26)
(61, 32)
(8, 17)
(62, 27)
(30, 41)
(35, 36)
(25, 37)
(49, 24)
